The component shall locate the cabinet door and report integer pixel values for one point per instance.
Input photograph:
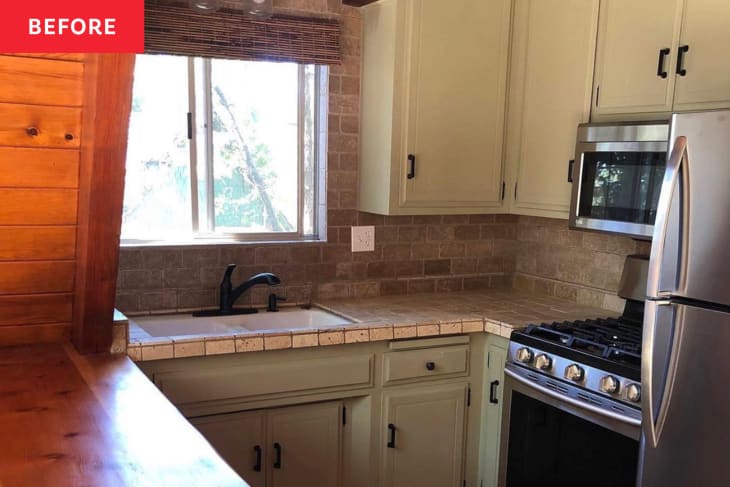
(455, 85)
(493, 421)
(239, 439)
(706, 31)
(304, 445)
(631, 35)
(553, 47)
(423, 436)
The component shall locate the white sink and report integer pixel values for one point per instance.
(285, 319)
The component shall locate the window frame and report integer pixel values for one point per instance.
(202, 230)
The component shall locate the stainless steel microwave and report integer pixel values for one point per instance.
(617, 177)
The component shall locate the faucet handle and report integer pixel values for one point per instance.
(273, 300)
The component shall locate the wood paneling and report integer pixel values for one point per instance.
(26, 334)
(35, 308)
(37, 243)
(52, 124)
(107, 89)
(38, 206)
(39, 168)
(40, 81)
(68, 56)
(36, 277)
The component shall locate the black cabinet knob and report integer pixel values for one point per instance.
(430, 365)
(32, 131)
(69, 137)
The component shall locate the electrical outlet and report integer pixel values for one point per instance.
(363, 239)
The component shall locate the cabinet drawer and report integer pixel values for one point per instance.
(425, 363)
(216, 384)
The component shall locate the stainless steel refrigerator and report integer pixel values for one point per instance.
(686, 347)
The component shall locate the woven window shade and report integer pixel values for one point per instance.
(228, 34)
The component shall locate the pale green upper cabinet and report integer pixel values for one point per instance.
(706, 33)
(551, 76)
(659, 56)
(433, 88)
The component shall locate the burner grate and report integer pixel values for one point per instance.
(616, 339)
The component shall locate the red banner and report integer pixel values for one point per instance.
(72, 26)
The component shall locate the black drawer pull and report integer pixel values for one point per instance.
(660, 71)
(391, 433)
(257, 465)
(570, 170)
(411, 166)
(430, 365)
(493, 392)
(680, 60)
(277, 461)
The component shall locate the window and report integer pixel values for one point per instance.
(225, 149)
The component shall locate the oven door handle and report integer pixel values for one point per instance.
(571, 401)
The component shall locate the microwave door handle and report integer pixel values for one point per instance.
(661, 339)
(661, 226)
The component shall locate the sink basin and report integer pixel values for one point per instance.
(285, 319)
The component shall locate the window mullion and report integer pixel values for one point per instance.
(209, 153)
(300, 147)
(193, 147)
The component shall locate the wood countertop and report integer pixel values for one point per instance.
(97, 421)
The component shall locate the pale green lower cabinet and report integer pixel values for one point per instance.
(293, 446)
(424, 429)
(327, 411)
(494, 385)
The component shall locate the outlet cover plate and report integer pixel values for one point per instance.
(363, 239)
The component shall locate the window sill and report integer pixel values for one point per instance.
(198, 243)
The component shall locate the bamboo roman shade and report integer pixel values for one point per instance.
(178, 29)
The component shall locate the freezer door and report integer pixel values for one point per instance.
(692, 235)
(686, 397)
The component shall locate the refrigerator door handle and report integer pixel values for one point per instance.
(661, 340)
(657, 264)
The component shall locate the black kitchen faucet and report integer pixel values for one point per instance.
(229, 295)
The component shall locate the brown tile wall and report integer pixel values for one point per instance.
(413, 254)
(582, 266)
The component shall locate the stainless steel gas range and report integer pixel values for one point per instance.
(572, 398)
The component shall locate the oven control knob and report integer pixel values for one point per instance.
(525, 355)
(543, 362)
(633, 392)
(574, 372)
(609, 384)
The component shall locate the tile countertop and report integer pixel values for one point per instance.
(95, 420)
(380, 319)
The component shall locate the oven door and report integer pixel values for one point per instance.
(616, 186)
(551, 439)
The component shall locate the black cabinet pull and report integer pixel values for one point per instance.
(570, 170)
(32, 131)
(680, 60)
(391, 433)
(660, 71)
(277, 460)
(430, 365)
(257, 465)
(493, 392)
(411, 166)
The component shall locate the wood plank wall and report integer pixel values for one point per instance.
(40, 132)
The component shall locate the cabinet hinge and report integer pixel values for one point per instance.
(489, 355)
(504, 186)
(344, 414)
(190, 126)
(464, 484)
(515, 191)
(468, 397)
(598, 94)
